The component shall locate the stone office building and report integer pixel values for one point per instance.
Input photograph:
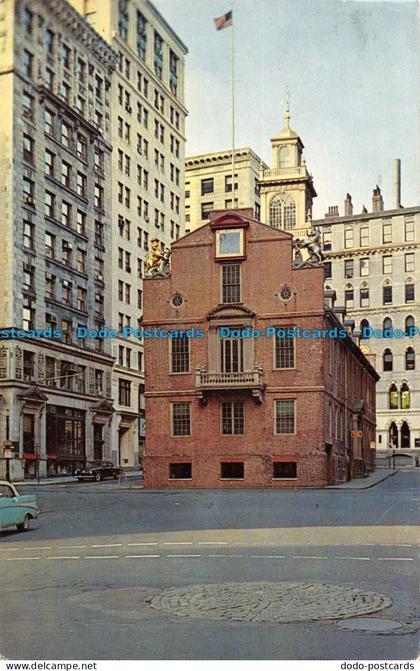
(242, 411)
(209, 186)
(55, 216)
(372, 262)
(148, 139)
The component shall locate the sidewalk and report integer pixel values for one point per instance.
(365, 483)
(71, 480)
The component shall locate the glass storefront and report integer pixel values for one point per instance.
(66, 448)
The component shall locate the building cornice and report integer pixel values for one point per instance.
(166, 25)
(83, 32)
(367, 216)
(222, 156)
(371, 251)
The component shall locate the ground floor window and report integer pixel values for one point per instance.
(181, 419)
(285, 416)
(284, 470)
(65, 432)
(232, 470)
(232, 417)
(180, 471)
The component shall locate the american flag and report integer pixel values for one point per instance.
(223, 21)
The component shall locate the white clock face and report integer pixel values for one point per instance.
(229, 243)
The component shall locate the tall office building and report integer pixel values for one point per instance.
(148, 139)
(55, 224)
(208, 184)
(372, 262)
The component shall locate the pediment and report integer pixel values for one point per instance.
(230, 219)
(33, 394)
(230, 312)
(103, 406)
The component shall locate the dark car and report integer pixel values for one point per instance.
(97, 470)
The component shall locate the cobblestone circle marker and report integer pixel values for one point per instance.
(268, 601)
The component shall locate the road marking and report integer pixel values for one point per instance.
(212, 542)
(62, 557)
(361, 558)
(307, 557)
(102, 557)
(71, 547)
(267, 556)
(224, 555)
(177, 543)
(141, 556)
(107, 545)
(183, 556)
(141, 543)
(21, 558)
(395, 559)
(45, 547)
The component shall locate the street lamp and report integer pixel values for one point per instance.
(7, 425)
(7, 454)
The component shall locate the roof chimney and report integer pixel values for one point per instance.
(397, 183)
(332, 211)
(377, 200)
(348, 206)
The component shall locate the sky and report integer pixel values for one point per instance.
(350, 70)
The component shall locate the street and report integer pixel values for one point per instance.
(118, 573)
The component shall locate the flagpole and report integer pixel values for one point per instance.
(233, 104)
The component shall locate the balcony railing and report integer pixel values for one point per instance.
(294, 171)
(251, 380)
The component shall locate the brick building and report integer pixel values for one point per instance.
(257, 411)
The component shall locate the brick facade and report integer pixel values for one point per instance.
(329, 383)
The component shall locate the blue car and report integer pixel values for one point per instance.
(15, 509)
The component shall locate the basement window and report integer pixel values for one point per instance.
(232, 470)
(284, 470)
(180, 471)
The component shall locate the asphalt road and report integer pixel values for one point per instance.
(78, 585)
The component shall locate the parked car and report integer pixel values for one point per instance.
(97, 470)
(16, 509)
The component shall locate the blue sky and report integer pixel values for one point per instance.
(351, 69)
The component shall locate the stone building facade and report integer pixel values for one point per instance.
(55, 237)
(147, 183)
(238, 411)
(209, 186)
(372, 262)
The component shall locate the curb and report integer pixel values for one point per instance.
(368, 486)
(54, 483)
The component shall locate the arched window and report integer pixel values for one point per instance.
(410, 359)
(387, 323)
(409, 290)
(283, 157)
(405, 436)
(393, 397)
(393, 436)
(364, 324)
(387, 360)
(405, 396)
(349, 296)
(283, 212)
(409, 325)
(364, 295)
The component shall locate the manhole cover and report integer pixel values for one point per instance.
(268, 601)
(375, 624)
